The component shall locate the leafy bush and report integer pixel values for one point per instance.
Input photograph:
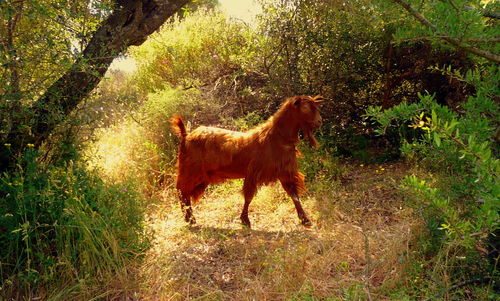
(198, 50)
(461, 207)
(248, 121)
(328, 48)
(64, 223)
(320, 166)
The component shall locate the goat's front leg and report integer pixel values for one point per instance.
(249, 190)
(300, 211)
(291, 185)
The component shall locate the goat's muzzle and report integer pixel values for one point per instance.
(309, 135)
(317, 124)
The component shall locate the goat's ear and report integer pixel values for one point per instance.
(297, 100)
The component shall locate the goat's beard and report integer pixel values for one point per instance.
(309, 136)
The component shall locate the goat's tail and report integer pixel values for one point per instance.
(180, 130)
(178, 127)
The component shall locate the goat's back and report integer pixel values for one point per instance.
(211, 148)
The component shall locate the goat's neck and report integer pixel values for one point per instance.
(286, 128)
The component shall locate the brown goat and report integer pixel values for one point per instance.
(262, 155)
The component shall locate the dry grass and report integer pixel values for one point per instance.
(361, 230)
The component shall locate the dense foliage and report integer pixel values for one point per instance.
(63, 225)
(461, 206)
(459, 145)
(40, 42)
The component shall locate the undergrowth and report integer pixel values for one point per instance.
(63, 231)
(459, 199)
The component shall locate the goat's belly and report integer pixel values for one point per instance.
(219, 175)
(225, 175)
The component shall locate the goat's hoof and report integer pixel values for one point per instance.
(246, 222)
(191, 220)
(307, 223)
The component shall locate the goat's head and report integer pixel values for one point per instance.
(306, 110)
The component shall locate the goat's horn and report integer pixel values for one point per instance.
(318, 99)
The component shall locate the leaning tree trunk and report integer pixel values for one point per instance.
(129, 24)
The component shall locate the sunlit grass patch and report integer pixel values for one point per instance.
(360, 235)
(113, 153)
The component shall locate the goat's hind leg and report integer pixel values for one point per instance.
(249, 190)
(185, 200)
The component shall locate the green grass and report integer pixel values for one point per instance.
(65, 233)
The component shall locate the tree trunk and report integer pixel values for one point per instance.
(388, 53)
(129, 24)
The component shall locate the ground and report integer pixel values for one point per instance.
(361, 233)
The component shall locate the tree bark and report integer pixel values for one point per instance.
(13, 67)
(388, 53)
(130, 23)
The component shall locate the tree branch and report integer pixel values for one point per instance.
(129, 25)
(485, 13)
(479, 52)
(13, 66)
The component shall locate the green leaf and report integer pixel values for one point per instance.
(437, 139)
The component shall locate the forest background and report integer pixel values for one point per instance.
(408, 163)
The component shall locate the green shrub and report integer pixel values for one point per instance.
(155, 114)
(461, 205)
(320, 166)
(198, 50)
(248, 121)
(64, 224)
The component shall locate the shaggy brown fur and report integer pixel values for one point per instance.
(262, 155)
